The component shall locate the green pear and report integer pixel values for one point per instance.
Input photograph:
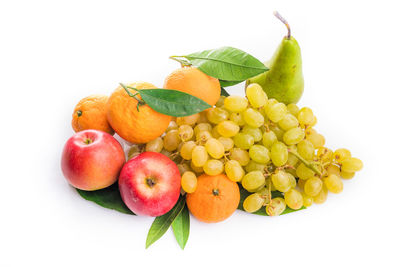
(284, 79)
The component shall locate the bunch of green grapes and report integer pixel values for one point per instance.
(261, 143)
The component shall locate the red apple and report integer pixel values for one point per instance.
(150, 184)
(92, 160)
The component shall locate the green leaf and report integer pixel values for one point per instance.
(109, 198)
(224, 92)
(181, 227)
(162, 223)
(227, 63)
(172, 102)
(228, 83)
(244, 194)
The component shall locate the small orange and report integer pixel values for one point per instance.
(136, 126)
(90, 113)
(195, 82)
(215, 199)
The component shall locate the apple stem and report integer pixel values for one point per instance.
(284, 21)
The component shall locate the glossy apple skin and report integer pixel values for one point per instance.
(138, 195)
(92, 160)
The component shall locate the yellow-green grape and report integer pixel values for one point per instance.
(134, 150)
(235, 103)
(253, 118)
(256, 95)
(281, 181)
(244, 141)
(322, 196)
(352, 165)
(188, 120)
(276, 112)
(259, 154)
(346, 175)
(293, 109)
(185, 132)
(155, 145)
(172, 126)
(241, 155)
(318, 140)
(341, 154)
(305, 116)
(314, 121)
(233, 170)
(254, 166)
(293, 136)
(216, 115)
(203, 136)
(292, 179)
(303, 172)
(252, 181)
(213, 167)
(220, 101)
(166, 152)
(275, 207)
(301, 183)
(215, 148)
(255, 132)
(325, 154)
(199, 156)
(288, 122)
(202, 117)
(227, 128)
(189, 182)
(306, 149)
(294, 199)
(269, 104)
(215, 133)
(253, 203)
(171, 140)
(292, 161)
(279, 154)
(183, 167)
(310, 131)
(202, 127)
(196, 169)
(237, 118)
(226, 142)
(313, 186)
(278, 131)
(333, 169)
(268, 139)
(307, 200)
(333, 183)
(186, 150)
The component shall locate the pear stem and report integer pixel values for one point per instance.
(284, 21)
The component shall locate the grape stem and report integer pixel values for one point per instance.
(305, 162)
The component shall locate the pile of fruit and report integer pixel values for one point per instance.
(195, 148)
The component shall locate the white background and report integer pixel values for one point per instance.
(53, 53)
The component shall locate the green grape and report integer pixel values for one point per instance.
(253, 118)
(314, 121)
(215, 133)
(259, 154)
(254, 166)
(203, 126)
(306, 149)
(303, 172)
(278, 131)
(333, 183)
(301, 183)
(313, 186)
(292, 161)
(237, 118)
(281, 181)
(293, 109)
(199, 156)
(203, 136)
(235, 103)
(155, 145)
(166, 153)
(244, 141)
(346, 175)
(255, 132)
(252, 181)
(325, 154)
(269, 104)
(294, 199)
(186, 150)
(189, 182)
(188, 120)
(183, 167)
(293, 136)
(196, 169)
(172, 126)
(253, 202)
(213, 167)
(216, 115)
(351, 165)
(226, 142)
(268, 139)
(276, 112)
(256, 95)
(322, 196)
(275, 207)
(310, 131)
(279, 154)
(288, 122)
(341, 154)
(333, 169)
(234, 171)
(220, 102)
(241, 155)
(185, 132)
(227, 128)
(318, 140)
(305, 116)
(215, 148)
(307, 200)
(171, 140)
(292, 179)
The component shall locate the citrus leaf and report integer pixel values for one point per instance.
(228, 83)
(161, 223)
(181, 227)
(172, 102)
(224, 92)
(109, 198)
(227, 63)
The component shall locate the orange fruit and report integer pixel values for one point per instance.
(215, 199)
(193, 81)
(91, 113)
(132, 125)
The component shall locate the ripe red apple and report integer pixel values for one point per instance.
(92, 160)
(150, 184)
